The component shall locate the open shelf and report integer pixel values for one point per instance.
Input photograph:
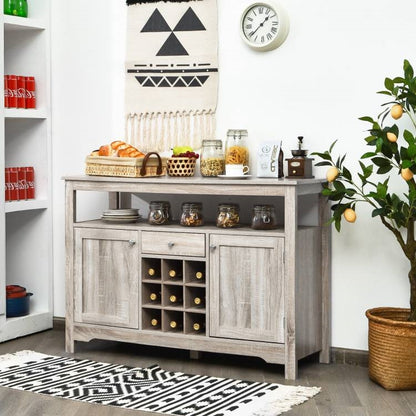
(16, 23)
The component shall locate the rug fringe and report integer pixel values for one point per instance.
(277, 401)
(19, 357)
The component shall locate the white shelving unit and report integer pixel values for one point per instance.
(25, 140)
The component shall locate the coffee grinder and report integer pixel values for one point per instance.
(299, 166)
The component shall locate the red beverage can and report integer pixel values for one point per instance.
(30, 92)
(21, 92)
(6, 93)
(14, 185)
(30, 180)
(12, 90)
(21, 177)
(7, 184)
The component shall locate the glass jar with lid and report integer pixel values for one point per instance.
(228, 215)
(236, 151)
(212, 158)
(159, 213)
(192, 214)
(264, 217)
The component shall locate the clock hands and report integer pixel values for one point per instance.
(261, 25)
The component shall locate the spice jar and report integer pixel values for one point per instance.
(159, 213)
(228, 215)
(192, 214)
(264, 217)
(212, 158)
(236, 152)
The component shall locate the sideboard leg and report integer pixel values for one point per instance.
(325, 215)
(291, 370)
(194, 355)
(69, 340)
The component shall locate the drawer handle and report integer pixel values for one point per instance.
(131, 243)
(213, 247)
(171, 244)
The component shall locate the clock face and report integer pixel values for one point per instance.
(264, 26)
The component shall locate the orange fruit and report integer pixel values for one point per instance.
(332, 174)
(350, 215)
(407, 174)
(396, 111)
(391, 137)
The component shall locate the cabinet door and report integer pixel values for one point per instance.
(246, 287)
(106, 277)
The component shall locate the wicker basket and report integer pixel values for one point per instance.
(129, 167)
(181, 166)
(392, 348)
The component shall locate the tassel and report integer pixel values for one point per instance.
(131, 2)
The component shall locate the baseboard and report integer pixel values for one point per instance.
(338, 355)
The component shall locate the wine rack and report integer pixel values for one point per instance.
(174, 296)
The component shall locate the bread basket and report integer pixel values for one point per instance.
(181, 166)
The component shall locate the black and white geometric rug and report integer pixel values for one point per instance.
(147, 389)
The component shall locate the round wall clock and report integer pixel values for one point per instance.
(264, 25)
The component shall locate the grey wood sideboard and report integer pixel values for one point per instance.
(264, 293)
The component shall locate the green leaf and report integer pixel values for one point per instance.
(384, 169)
(389, 84)
(332, 146)
(378, 211)
(406, 163)
(323, 164)
(408, 136)
(381, 161)
(367, 155)
(346, 173)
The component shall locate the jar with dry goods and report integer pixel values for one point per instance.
(159, 213)
(264, 217)
(192, 214)
(212, 158)
(236, 152)
(228, 215)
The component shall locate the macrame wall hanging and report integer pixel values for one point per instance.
(171, 73)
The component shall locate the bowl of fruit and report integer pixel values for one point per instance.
(182, 162)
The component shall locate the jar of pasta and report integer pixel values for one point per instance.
(212, 158)
(236, 152)
(192, 214)
(228, 215)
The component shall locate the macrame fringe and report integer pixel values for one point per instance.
(131, 2)
(162, 131)
(277, 401)
(20, 357)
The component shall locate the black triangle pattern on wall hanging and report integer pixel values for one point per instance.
(189, 22)
(172, 81)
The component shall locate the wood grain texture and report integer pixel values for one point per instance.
(246, 297)
(346, 389)
(106, 277)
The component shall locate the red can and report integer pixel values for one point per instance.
(6, 93)
(30, 180)
(30, 92)
(21, 177)
(12, 90)
(21, 92)
(7, 184)
(14, 184)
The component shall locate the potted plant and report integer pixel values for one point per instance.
(392, 331)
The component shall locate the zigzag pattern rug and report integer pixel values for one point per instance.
(147, 389)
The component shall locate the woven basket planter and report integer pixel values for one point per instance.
(392, 348)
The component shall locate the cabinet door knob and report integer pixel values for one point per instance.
(212, 247)
(171, 244)
(131, 243)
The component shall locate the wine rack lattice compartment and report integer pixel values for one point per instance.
(174, 295)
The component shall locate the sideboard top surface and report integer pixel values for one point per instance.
(197, 185)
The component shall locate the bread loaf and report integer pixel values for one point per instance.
(118, 148)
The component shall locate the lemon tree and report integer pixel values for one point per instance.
(393, 152)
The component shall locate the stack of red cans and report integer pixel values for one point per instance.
(20, 183)
(19, 91)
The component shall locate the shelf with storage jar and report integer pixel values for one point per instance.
(25, 140)
(237, 290)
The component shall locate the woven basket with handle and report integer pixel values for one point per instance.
(392, 348)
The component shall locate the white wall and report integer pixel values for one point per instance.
(317, 85)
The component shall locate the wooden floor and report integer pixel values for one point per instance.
(346, 389)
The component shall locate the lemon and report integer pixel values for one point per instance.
(391, 137)
(396, 111)
(407, 174)
(350, 215)
(332, 174)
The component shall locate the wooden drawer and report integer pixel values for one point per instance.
(174, 244)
